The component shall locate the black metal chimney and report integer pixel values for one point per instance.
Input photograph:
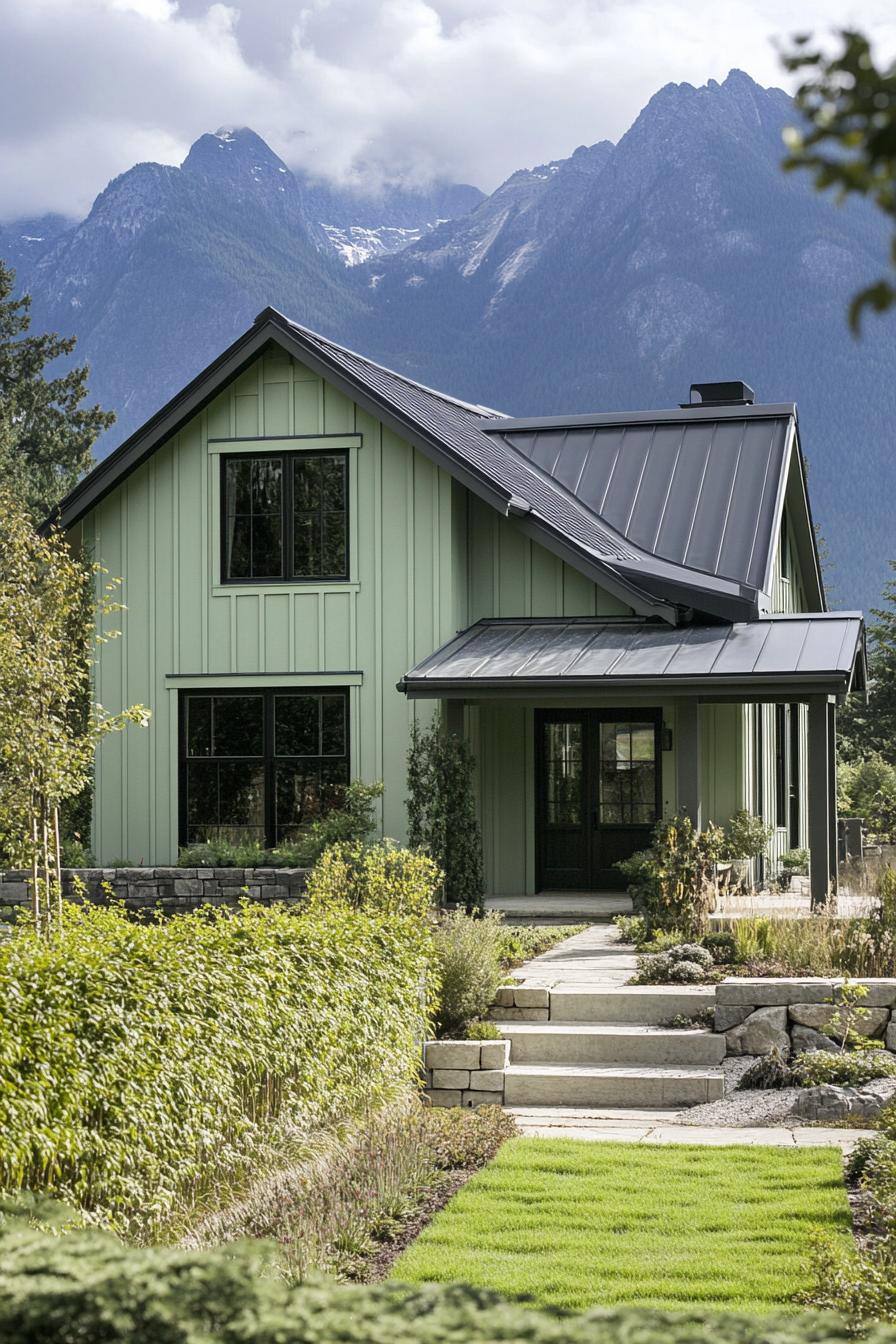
(721, 394)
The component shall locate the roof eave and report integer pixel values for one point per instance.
(754, 687)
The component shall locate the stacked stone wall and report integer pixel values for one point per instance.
(169, 891)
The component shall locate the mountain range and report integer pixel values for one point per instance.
(608, 280)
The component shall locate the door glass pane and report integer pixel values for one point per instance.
(563, 773)
(627, 780)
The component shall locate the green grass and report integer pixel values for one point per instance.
(576, 1224)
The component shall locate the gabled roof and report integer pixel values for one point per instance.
(703, 492)
(821, 653)
(515, 466)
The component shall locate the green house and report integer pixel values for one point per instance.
(622, 613)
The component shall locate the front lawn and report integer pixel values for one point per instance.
(575, 1224)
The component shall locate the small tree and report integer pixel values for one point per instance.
(48, 631)
(442, 813)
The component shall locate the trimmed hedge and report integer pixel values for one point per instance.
(140, 1064)
(87, 1286)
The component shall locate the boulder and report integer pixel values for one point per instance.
(823, 1103)
(762, 1032)
(818, 1015)
(730, 1015)
(806, 1038)
(828, 1103)
(891, 1035)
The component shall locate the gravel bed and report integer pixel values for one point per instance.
(753, 1108)
(758, 1106)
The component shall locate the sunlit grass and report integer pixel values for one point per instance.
(575, 1224)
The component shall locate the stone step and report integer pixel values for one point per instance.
(609, 1043)
(611, 1085)
(630, 1003)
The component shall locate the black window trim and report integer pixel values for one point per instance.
(268, 758)
(286, 518)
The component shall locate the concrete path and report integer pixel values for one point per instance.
(593, 960)
(618, 1125)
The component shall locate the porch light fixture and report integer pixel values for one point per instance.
(666, 737)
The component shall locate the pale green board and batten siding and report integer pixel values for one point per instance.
(159, 529)
(426, 558)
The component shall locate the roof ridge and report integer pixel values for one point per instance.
(483, 412)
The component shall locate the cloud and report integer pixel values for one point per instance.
(359, 89)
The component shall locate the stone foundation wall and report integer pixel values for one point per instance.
(169, 890)
(465, 1073)
(791, 1015)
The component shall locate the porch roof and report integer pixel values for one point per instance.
(778, 657)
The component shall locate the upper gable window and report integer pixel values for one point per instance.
(284, 517)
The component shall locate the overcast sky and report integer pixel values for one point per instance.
(464, 89)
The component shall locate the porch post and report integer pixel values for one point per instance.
(832, 795)
(688, 761)
(820, 800)
(453, 716)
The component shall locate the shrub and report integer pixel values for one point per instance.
(442, 811)
(815, 1067)
(382, 879)
(794, 863)
(722, 947)
(353, 820)
(87, 1286)
(469, 969)
(867, 789)
(702, 1020)
(142, 1063)
(768, 1071)
(683, 964)
(632, 928)
(672, 884)
(746, 836)
(483, 1031)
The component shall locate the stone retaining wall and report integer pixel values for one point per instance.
(518, 1003)
(169, 890)
(789, 1015)
(465, 1073)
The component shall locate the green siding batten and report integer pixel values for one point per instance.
(159, 530)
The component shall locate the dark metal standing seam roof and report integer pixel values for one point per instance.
(704, 494)
(820, 653)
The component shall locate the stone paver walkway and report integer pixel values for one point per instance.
(624, 1126)
(594, 959)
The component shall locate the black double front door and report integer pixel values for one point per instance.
(598, 793)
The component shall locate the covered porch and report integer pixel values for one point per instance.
(587, 730)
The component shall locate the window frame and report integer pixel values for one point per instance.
(268, 759)
(287, 518)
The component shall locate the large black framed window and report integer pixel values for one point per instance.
(284, 517)
(260, 765)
